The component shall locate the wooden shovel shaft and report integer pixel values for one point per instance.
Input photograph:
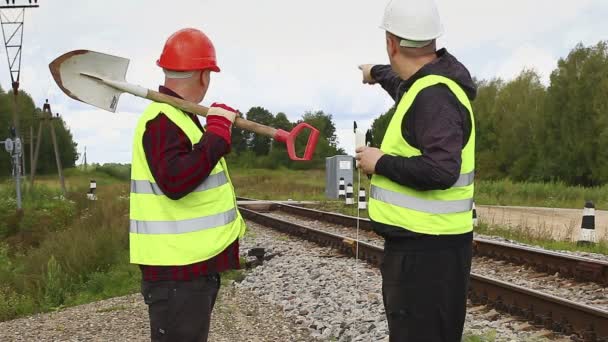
(202, 111)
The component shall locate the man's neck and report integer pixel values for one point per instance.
(410, 66)
(181, 92)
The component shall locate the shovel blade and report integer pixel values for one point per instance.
(69, 71)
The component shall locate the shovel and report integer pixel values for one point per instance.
(99, 79)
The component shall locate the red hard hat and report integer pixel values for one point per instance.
(188, 49)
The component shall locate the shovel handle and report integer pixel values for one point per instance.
(202, 111)
(289, 138)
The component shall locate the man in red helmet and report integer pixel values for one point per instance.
(184, 223)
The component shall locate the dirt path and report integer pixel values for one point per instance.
(238, 316)
(562, 224)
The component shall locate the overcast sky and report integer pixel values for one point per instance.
(289, 56)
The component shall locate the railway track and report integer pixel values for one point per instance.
(587, 323)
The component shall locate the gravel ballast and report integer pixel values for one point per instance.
(320, 290)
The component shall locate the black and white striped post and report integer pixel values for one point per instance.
(587, 235)
(474, 215)
(341, 189)
(92, 187)
(362, 199)
(349, 194)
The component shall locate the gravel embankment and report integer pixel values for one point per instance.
(320, 290)
(589, 293)
(238, 316)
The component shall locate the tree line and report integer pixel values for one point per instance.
(29, 117)
(527, 131)
(252, 150)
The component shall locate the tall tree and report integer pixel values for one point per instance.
(379, 126)
(239, 139)
(484, 108)
(259, 144)
(576, 123)
(518, 111)
(29, 116)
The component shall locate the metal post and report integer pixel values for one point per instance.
(31, 148)
(13, 147)
(17, 168)
(57, 158)
(35, 162)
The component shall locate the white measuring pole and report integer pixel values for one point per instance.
(359, 142)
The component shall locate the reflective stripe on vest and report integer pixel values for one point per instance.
(183, 226)
(147, 187)
(465, 179)
(427, 206)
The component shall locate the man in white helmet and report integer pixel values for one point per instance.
(422, 185)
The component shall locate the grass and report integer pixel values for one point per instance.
(63, 251)
(279, 184)
(541, 238)
(551, 195)
(488, 337)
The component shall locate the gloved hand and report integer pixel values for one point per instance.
(366, 69)
(220, 118)
(220, 109)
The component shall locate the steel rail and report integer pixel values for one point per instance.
(568, 266)
(558, 314)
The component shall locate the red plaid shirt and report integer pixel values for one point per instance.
(178, 168)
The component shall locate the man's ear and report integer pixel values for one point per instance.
(391, 46)
(204, 78)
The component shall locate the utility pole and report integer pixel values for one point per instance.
(57, 158)
(85, 159)
(47, 114)
(12, 17)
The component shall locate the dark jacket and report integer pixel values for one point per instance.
(438, 125)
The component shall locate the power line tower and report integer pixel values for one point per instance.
(12, 18)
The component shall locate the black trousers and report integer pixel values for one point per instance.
(425, 293)
(180, 310)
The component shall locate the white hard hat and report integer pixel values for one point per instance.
(416, 20)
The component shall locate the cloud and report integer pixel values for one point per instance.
(524, 57)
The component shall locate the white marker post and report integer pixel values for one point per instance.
(587, 235)
(92, 187)
(349, 194)
(341, 189)
(362, 199)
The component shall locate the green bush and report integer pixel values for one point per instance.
(81, 253)
(53, 284)
(553, 194)
(118, 171)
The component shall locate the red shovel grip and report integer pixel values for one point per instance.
(289, 138)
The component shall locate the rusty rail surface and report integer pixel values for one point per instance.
(568, 266)
(557, 314)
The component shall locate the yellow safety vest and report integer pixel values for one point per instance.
(194, 228)
(435, 212)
